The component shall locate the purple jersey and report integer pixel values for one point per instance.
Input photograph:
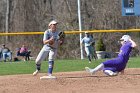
(119, 63)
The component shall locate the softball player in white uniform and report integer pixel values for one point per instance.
(49, 49)
(87, 40)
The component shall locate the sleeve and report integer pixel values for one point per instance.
(46, 35)
(129, 44)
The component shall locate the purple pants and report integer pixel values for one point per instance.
(117, 64)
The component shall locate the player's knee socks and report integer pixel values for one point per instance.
(38, 66)
(50, 68)
(89, 58)
(98, 68)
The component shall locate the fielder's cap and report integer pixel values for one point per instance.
(53, 22)
(125, 38)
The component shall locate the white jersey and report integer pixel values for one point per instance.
(47, 35)
(87, 41)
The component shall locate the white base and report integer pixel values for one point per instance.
(47, 77)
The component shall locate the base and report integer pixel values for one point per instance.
(47, 77)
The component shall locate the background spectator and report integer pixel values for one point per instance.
(6, 53)
(1, 54)
(24, 52)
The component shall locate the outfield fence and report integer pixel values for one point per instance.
(71, 32)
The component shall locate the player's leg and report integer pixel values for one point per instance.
(10, 56)
(4, 56)
(91, 49)
(87, 49)
(109, 63)
(52, 55)
(110, 73)
(94, 53)
(98, 68)
(41, 56)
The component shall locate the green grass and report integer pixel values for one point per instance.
(134, 62)
(12, 68)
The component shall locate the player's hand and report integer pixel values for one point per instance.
(51, 40)
(60, 42)
(130, 39)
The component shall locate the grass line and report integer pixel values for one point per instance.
(13, 68)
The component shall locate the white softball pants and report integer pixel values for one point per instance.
(51, 54)
(89, 50)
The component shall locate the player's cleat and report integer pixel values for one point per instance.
(47, 77)
(89, 70)
(35, 73)
(115, 74)
(110, 73)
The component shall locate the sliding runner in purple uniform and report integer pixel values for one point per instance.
(114, 66)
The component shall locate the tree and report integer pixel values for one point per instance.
(34, 15)
(100, 45)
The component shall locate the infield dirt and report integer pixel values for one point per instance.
(72, 82)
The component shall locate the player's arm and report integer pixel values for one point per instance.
(133, 43)
(46, 39)
(92, 42)
(49, 40)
